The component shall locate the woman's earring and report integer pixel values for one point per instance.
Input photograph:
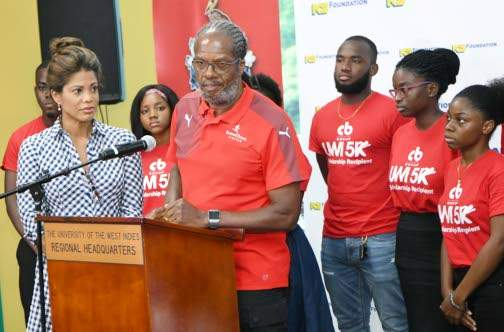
(59, 107)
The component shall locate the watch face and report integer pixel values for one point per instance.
(213, 214)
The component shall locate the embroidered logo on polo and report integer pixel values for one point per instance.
(188, 119)
(344, 150)
(235, 135)
(156, 181)
(410, 177)
(284, 132)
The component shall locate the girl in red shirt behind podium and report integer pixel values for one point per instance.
(151, 113)
(471, 210)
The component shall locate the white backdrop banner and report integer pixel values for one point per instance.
(398, 27)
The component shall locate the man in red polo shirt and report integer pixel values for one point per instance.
(241, 165)
(352, 137)
(26, 250)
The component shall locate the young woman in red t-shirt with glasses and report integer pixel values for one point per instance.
(418, 159)
(471, 210)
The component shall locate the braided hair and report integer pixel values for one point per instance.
(440, 65)
(238, 38)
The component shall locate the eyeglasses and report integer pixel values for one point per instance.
(403, 90)
(218, 66)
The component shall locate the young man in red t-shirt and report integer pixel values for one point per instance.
(26, 250)
(352, 137)
(238, 164)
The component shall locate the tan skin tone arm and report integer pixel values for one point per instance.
(11, 205)
(280, 215)
(484, 265)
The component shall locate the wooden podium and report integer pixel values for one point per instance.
(133, 274)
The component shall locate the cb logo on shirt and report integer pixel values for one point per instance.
(157, 165)
(345, 129)
(455, 192)
(415, 155)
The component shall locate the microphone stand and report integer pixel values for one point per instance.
(37, 193)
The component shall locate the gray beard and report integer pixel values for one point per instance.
(226, 96)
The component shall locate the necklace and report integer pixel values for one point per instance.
(459, 175)
(354, 112)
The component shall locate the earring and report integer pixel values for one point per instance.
(59, 107)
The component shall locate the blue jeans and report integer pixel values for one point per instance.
(352, 283)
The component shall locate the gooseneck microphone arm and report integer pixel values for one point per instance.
(37, 192)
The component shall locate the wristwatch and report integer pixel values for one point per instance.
(213, 219)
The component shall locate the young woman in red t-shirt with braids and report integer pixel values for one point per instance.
(151, 113)
(418, 159)
(471, 210)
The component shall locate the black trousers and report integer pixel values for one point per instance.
(486, 302)
(418, 248)
(26, 260)
(263, 310)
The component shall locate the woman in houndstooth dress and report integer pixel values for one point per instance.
(107, 188)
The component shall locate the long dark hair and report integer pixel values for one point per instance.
(136, 125)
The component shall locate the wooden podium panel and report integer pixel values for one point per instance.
(119, 274)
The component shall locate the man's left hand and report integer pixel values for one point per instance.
(183, 212)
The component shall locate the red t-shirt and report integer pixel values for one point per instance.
(358, 152)
(156, 173)
(417, 164)
(230, 162)
(465, 211)
(10, 158)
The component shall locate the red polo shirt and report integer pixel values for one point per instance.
(230, 162)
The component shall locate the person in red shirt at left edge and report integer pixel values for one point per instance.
(241, 165)
(471, 210)
(26, 250)
(151, 113)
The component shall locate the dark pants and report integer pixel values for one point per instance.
(486, 302)
(418, 248)
(26, 260)
(263, 310)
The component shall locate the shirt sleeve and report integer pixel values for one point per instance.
(283, 158)
(314, 144)
(131, 205)
(10, 158)
(496, 194)
(28, 171)
(171, 154)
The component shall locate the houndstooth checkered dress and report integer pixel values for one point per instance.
(110, 188)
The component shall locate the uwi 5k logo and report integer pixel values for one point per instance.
(344, 146)
(411, 172)
(455, 192)
(157, 179)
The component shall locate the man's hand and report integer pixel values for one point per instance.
(181, 212)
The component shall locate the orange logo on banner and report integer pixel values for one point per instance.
(395, 3)
(405, 51)
(320, 8)
(459, 48)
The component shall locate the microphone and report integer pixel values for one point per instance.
(147, 143)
